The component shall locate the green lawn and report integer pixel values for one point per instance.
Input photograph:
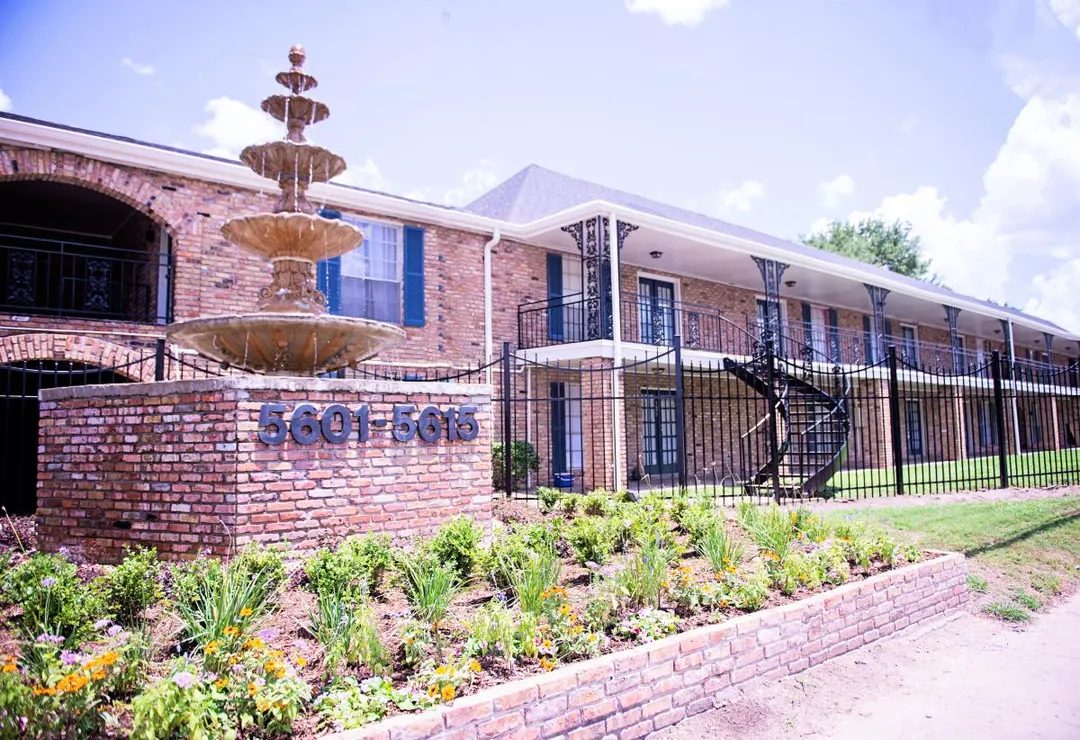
(1020, 552)
(1031, 469)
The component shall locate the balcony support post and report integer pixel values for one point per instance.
(613, 230)
(1049, 339)
(952, 313)
(877, 301)
(772, 272)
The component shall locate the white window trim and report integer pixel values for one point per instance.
(781, 301)
(660, 278)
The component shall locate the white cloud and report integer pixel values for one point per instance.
(1055, 295)
(1068, 12)
(742, 198)
(140, 69)
(474, 182)
(234, 125)
(677, 12)
(366, 175)
(5, 102)
(832, 191)
(908, 124)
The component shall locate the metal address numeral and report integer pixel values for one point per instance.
(430, 424)
(304, 427)
(277, 423)
(327, 423)
(402, 419)
(467, 416)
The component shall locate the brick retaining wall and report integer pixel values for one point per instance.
(174, 464)
(636, 692)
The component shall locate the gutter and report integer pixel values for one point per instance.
(488, 309)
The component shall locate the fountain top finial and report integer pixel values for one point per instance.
(297, 55)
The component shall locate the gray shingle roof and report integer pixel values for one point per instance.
(536, 192)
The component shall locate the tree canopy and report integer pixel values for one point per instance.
(872, 240)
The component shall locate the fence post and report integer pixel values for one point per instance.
(159, 359)
(894, 422)
(770, 396)
(680, 416)
(999, 417)
(507, 425)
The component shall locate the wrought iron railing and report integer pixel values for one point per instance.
(83, 281)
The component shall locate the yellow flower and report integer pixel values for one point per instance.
(408, 641)
(447, 693)
(72, 682)
(254, 643)
(280, 673)
(211, 647)
(44, 691)
(546, 593)
(221, 683)
(576, 629)
(231, 631)
(245, 612)
(262, 706)
(108, 658)
(564, 609)
(98, 674)
(276, 653)
(474, 666)
(252, 689)
(440, 671)
(547, 664)
(234, 660)
(432, 690)
(301, 661)
(9, 668)
(546, 644)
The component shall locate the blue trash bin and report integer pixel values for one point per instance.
(564, 480)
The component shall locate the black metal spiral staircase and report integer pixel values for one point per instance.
(812, 427)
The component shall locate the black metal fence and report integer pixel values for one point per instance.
(780, 427)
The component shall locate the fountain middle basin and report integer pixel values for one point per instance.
(280, 343)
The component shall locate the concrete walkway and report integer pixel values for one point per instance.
(969, 677)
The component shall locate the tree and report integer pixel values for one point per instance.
(871, 240)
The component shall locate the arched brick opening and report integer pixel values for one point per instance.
(133, 364)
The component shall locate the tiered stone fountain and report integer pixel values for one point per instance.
(215, 463)
(291, 334)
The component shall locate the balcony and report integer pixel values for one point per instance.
(75, 280)
(647, 320)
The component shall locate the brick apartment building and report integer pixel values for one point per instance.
(105, 240)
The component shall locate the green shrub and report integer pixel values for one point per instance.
(748, 592)
(548, 497)
(697, 519)
(349, 634)
(224, 606)
(456, 544)
(355, 569)
(511, 549)
(134, 585)
(642, 580)
(568, 504)
(720, 549)
(592, 539)
(267, 563)
(1022, 597)
(977, 584)
(647, 625)
(493, 631)
(174, 708)
(597, 503)
(523, 460)
(430, 587)
(532, 578)
(1007, 612)
(773, 532)
(1043, 583)
(53, 599)
(347, 705)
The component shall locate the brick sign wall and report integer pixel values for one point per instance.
(181, 465)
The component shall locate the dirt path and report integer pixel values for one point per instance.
(966, 677)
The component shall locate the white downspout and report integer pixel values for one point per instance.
(1012, 380)
(488, 310)
(616, 340)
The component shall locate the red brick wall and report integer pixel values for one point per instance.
(637, 692)
(167, 464)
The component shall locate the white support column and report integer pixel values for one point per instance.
(616, 339)
(164, 279)
(1012, 378)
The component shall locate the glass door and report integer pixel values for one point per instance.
(656, 311)
(658, 431)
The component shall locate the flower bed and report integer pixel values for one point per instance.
(367, 630)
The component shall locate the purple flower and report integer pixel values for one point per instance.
(267, 634)
(184, 680)
(101, 624)
(48, 581)
(49, 639)
(237, 668)
(114, 630)
(67, 657)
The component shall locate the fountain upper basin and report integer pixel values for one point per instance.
(300, 235)
(286, 343)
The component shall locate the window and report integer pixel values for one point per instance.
(914, 426)
(567, 438)
(656, 311)
(371, 275)
(909, 344)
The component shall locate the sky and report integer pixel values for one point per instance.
(961, 117)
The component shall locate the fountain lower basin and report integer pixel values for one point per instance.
(286, 343)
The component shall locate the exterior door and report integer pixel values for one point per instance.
(656, 311)
(567, 442)
(914, 425)
(909, 347)
(658, 431)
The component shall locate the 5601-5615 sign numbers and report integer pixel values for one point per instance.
(337, 423)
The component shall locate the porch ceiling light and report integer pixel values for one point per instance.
(790, 283)
(656, 254)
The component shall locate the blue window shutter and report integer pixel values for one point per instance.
(834, 335)
(413, 286)
(554, 294)
(328, 273)
(808, 325)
